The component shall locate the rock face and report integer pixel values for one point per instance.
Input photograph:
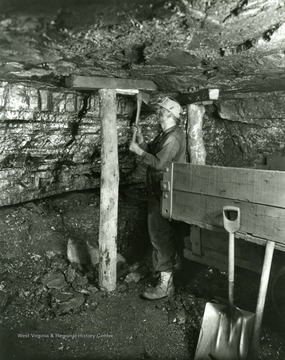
(50, 135)
(50, 141)
(244, 131)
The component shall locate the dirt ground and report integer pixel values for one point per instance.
(53, 309)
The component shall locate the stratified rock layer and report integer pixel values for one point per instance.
(50, 141)
(50, 138)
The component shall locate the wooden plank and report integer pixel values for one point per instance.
(212, 258)
(251, 185)
(237, 94)
(248, 255)
(213, 240)
(166, 200)
(264, 222)
(196, 240)
(127, 91)
(108, 191)
(275, 162)
(243, 249)
(216, 240)
(244, 236)
(92, 83)
(219, 260)
(198, 96)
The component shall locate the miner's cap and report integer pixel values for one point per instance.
(172, 106)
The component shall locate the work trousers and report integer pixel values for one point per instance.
(164, 237)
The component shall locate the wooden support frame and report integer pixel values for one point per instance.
(92, 83)
(196, 240)
(108, 88)
(166, 187)
(195, 102)
(198, 96)
(260, 194)
(108, 190)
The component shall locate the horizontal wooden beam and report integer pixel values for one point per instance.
(127, 91)
(198, 96)
(239, 94)
(248, 255)
(218, 259)
(244, 236)
(261, 221)
(256, 186)
(95, 83)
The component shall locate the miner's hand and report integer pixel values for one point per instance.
(137, 130)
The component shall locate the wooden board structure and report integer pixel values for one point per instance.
(214, 252)
(197, 194)
(78, 82)
(199, 96)
(108, 88)
(211, 247)
(108, 191)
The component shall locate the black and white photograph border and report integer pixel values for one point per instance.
(142, 161)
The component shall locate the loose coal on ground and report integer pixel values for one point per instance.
(51, 304)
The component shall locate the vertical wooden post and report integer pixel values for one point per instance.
(108, 191)
(196, 148)
(197, 155)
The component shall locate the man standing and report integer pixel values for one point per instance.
(168, 146)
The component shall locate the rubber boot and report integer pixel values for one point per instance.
(164, 287)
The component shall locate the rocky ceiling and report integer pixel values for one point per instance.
(179, 44)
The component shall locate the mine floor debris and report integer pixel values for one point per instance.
(52, 309)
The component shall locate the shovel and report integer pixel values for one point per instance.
(226, 330)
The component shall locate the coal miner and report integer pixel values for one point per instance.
(168, 146)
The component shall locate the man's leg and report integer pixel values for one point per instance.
(163, 241)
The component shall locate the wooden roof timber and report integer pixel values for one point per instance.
(133, 86)
(199, 96)
(208, 95)
(121, 85)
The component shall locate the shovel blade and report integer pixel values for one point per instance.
(224, 336)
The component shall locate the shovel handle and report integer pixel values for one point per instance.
(231, 218)
(231, 269)
(269, 250)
